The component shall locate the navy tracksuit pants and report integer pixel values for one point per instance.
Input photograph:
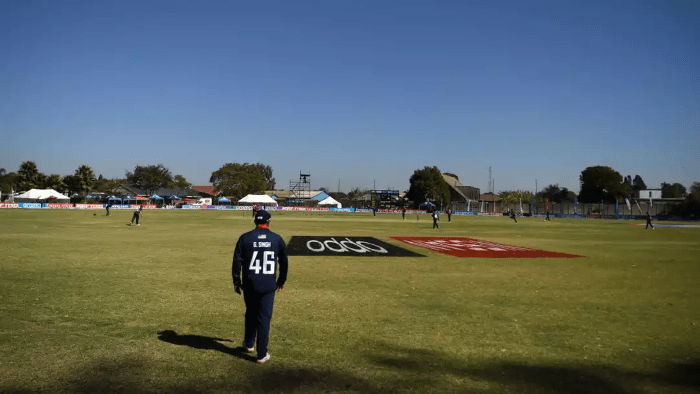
(258, 314)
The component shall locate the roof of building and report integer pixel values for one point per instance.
(452, 181)
(454, 184)
(206, 189)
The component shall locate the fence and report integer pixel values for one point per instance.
(661, 208)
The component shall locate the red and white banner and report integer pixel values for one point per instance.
(469, 247)
(9, 205)
(52, 205)
(89, 206)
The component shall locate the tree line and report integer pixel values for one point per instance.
(597, 184)
(232, 179)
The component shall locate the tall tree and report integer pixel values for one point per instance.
(55, 182)
(85, 179)
(27, 177)
(428, 185)
(180, 181)
(105, 185)
(694, 193)
(557, 194)
(638, 183)
(267, 173)
(513, 198)
(238, 180)
(602, 183)
(7, 181)
(675, 190)
(149, 178)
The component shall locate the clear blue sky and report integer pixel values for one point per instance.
(360, 93)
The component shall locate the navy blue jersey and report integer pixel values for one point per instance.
(256, 256)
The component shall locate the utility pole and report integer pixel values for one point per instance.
(490, 184)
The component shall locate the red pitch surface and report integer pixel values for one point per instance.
(469, 247)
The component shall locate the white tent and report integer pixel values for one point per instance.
(258, 199)
(41, 194)
(331, 201)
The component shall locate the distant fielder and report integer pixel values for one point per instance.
(512, 216)
(137, 215)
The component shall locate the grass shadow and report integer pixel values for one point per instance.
(434, 368)
(203, 342)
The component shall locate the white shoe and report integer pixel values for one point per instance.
(247, 349)
(262, 360)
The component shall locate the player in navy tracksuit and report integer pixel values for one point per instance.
(137, 215)
(511, 214)
(257, 254)
(649, 222)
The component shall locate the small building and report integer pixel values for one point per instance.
(648, 194)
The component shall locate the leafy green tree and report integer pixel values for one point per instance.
(238, 180)
(267, 173)
(55, 182)
(149, 178)
(41, 179)
(28, 177)
(7, 181)
(512, 198)
(338, 195)
(557, 194)
(694, 193)
(428, 185)
(690, 208)
(72, 183)
(180, 181)
(638, 183)
(84, 179)
(602, 183)
(104, 185)
(675, 190)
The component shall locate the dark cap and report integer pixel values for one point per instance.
(262, 217)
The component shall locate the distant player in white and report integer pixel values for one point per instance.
(137, 215)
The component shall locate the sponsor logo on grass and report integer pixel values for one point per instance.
(344, 246)
(469, 247)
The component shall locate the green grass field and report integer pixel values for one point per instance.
(83, 298)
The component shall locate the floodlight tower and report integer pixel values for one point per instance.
(302, 188)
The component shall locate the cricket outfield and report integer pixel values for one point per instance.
(83, 298)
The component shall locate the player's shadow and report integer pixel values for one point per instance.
(202, 342)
